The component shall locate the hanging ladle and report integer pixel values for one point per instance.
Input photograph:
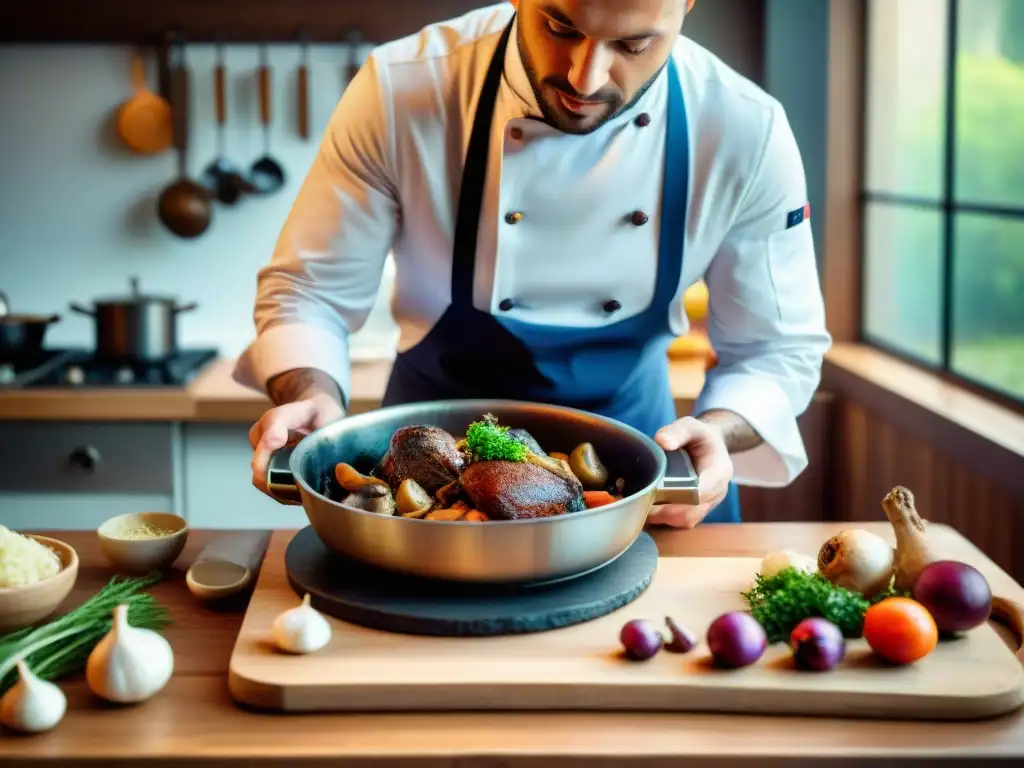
(266, 174)
(184, 206)
(222, 177)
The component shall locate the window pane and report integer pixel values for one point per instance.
(906, 97)
(988, 301)
(990, 102)
(903, 278)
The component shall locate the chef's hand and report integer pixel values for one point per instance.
(286, 424)
(707, 448)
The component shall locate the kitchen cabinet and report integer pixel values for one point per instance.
(114, 21)
(74, 475)
(217, 482)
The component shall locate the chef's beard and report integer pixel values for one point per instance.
(557, 118)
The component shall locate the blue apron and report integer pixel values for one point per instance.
(619, 370)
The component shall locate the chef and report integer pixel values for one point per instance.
(550, 176)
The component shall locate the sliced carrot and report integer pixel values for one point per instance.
(475, 516)
(598, 498)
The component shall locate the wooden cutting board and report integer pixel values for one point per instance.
(579, 667)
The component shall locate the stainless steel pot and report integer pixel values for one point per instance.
(521, 551)
(137, 326)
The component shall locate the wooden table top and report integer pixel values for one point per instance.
(195, 719)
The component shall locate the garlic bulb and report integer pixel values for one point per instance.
(32, 705)
(774, 562)
(130, 664)
(301, 629)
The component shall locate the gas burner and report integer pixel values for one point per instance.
(80, 369)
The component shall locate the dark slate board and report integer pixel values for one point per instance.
(387, 601)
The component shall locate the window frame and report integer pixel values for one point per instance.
(946, 206)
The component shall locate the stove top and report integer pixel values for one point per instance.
(83, 369)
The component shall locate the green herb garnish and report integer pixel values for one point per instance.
(486, 440)
(782, 601)
(62, 646)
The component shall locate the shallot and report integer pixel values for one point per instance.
(682, 640)
(640, 639)
(818, 644)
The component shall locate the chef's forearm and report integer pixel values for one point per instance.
(302, 384)
(739, 435)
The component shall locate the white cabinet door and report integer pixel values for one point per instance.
(75, 475)
(218, 482)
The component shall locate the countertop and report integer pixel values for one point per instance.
(215, 397)
(194, 719)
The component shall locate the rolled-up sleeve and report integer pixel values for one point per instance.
(766, 317)
(325, 273)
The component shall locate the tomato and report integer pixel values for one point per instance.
(900, 630)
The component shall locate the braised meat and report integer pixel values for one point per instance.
(507, 490)
(425, 454)
(524, 437)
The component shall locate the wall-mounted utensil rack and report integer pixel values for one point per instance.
(236, 21)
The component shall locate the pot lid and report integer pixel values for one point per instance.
(135, 296)
(6, 318)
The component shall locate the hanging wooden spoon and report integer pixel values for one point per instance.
(144, 121)
(303, 84)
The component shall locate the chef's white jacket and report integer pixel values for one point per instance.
(387, 176)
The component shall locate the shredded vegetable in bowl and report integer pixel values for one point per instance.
(24, 560)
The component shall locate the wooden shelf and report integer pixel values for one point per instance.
(236, 21)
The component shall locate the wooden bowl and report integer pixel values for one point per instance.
(25, 606)
(147, 554)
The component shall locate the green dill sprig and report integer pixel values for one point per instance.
(62, 646)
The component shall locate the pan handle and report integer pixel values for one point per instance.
(82, 310)
(679, 486)
(280, 481)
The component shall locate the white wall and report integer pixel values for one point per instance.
(77, 211)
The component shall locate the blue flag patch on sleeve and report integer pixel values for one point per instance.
(798, 216)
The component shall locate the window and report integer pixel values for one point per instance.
(943, 279)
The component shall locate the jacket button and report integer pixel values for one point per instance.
(516, 133)
(639, 218)
(643, 120)
(513, 217)
(506, 305)
(612, 306)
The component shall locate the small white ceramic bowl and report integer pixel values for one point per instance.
(27, 605)
(143, 554)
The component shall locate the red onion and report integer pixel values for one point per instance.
(956, 595)
(736, 639)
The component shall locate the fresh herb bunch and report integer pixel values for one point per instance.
(783, 600)
(62, 646)
(486, 440)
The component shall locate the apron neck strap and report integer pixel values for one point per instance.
(474, 177)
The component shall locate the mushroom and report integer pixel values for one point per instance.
(354, 481)
(371, 500)
(588, 467)
(412, 500)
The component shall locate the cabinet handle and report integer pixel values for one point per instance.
(85, 457)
